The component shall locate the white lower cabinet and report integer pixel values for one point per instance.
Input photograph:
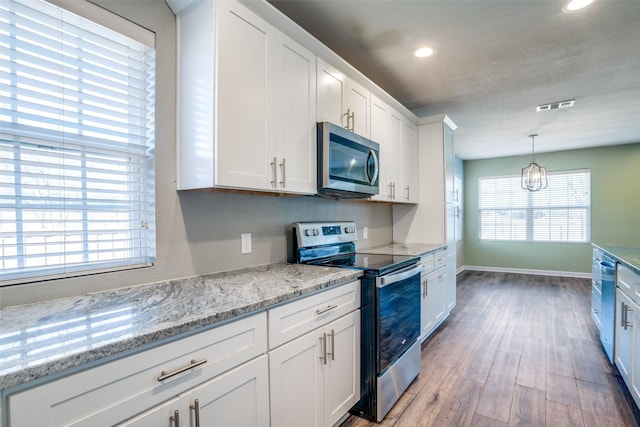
(433, 309)
(315, 378)
(238, 398)
(145, 389)
(627, 329)
(314, 357)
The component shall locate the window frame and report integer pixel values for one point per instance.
(120, 28)
(527, 210)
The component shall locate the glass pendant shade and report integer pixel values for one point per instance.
(534, 176)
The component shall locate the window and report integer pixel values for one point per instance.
(77, 104)
(560, 213)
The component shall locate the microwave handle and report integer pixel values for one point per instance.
(372, 179)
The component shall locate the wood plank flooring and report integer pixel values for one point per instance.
(518, 350)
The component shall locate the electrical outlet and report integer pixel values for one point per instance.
(365, 233)
(245, 239)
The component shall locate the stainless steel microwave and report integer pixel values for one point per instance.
(348, 164)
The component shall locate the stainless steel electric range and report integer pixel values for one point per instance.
(390, 310)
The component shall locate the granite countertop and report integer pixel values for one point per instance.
(626, 255)
(395, 248)
(45, 338)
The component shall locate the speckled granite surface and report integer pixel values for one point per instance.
(413, 249)
(44, 338)
(626, 255)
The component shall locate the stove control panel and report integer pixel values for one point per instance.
(323, 233)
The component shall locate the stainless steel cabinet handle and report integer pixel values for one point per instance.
(273, 172)
(283, 167)
(196, 408)
(389, 194)
(323, 344)
(626, 317)
(621, 314)
(194, 364)
(327, 308)
(407, 188)
(175, 418)
(351, 118)
(332, 335)
(442, 276)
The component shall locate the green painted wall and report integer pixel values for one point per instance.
(615, 209)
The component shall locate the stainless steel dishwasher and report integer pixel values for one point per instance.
(607, 310)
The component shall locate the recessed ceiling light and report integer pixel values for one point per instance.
(574, 5)
(423, 52)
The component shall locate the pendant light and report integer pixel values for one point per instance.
(534, 176)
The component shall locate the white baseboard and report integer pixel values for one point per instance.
(576, 274)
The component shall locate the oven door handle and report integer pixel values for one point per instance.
(397, 276)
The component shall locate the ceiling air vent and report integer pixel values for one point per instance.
(556, 105)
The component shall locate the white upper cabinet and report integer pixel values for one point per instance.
(246, 100)
(398, 139)
(295, 116)
(380, 121)
(342, 101)
(409, 163)
(260, 134)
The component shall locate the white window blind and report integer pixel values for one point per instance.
(77, 105)
(560, 213)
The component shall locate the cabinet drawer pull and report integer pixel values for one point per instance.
(407, 188)
(442, 276)
(194, 364)
(196, 408)
(327, 308)
(175, 418)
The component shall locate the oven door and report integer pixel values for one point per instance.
(398, 307)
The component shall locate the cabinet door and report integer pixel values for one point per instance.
(296, 382)
(394, 156)
(342, 379)
(451, 282)
(440, 300)
(624, 337)
(330, 89)
(160, 416)
(409, 163)
(245, 141)
(428, 307)
(358, 102)
(295, 117)
(380, 117)
(238, 398)
(425, 309)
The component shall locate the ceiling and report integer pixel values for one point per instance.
(495, 62)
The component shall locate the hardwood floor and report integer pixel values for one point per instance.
(518, 350)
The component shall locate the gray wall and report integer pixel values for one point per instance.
(199, 232)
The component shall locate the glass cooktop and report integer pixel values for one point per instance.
(376, 264)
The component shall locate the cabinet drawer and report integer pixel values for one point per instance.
(299, 317)
(440, 259)
(428, 263)
(629, 281)
(113, 392)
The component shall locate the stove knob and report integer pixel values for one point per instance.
(307, 232)
(353, 229)
(316, 232)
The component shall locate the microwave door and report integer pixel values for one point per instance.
(348, 164)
